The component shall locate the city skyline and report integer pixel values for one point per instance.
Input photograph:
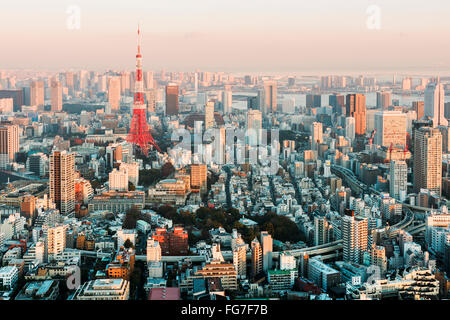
(142, 159)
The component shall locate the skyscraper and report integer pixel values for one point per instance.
(227, 100)
(313, 100)
(257, 259)
(9, 143)
(254, 122)
(355, 238)
(391, 128)
(270, 97)
(37, 93)
(148, 80)
(316, 135)
(61, 180)
(350, 128)
(171, 99)
(56, 96)
(383, 99)
(398, 174)
(337, 101)
(199, 175)
(321, 228)
(356, 107)
(428, 159)
(209, 114)
(114, 93)
(240, 259)
(418, 106)
(267, 247)
(434, 104)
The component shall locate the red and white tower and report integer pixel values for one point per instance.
(140, 131)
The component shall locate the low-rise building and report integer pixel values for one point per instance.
(103, 289)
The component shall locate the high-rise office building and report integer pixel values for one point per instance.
(9, 143)
(209, 114)
(326, 82)
(383, 99)
(56, 96)
(118, 180)
(56, 240)
(391, 128)
(148, 80)
(398, 179)
(418, 106)
(28, 206)
(350, 128)
(70, 81)
(62, 180)
(114, 93)
(240, 259)
(257, 260)
(199, 176)
(428, 159)
(355, 105)
(321, 230)
(313, 100)
(171, 100)
(316, 135)
(270, 97)
(434, 104)
(378, 258)
(445, 138)
(227, 101)
(288, 105)
(125, 82)
(267, 248)
(406, 84)
(355, 238)
(37, 93)
(18, 96)
(150, 96)
(337, 101)
(254, 122)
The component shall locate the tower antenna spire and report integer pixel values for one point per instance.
(139, 39)
(139, 133)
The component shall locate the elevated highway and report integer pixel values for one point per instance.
(327, 251)
(417, 229)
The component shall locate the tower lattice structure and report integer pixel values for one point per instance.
(140, 131)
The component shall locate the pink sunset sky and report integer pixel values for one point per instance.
(232, 35)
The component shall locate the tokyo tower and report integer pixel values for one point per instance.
(140, 131)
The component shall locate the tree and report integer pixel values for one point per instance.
(268, 226)
(149, 177)
(167, 169)
(131, 217)
(128, 244)
(131, 186)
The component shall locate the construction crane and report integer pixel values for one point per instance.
(372, 136)
(390, 151)
(405, 150)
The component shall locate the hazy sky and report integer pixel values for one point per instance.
(227, 35)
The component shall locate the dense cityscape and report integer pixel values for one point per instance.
(202, 185)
